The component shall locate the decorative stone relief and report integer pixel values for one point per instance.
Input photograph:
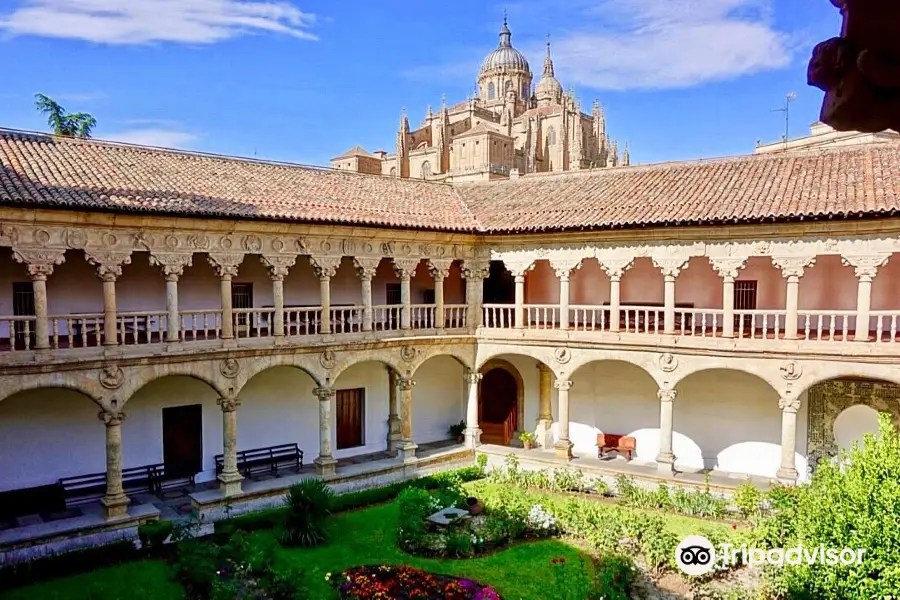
(865, 267)
(562, 355)
(278, 244)
(405, 268)
(109, 239)
(615, 267)
(41, 237)
(230, 367)
(406, 249)
(563, 385)
(406, 384)
(666, 395)
(325, 266)
(326, 246)
(278, 264)
(789, 403)
(109, 264)
(348, 247)
(388, 248)
(328, 359)
(827, 400)
(171, 264)
(472, 269)
(367, 266)
(225, 264)
(671, 266)
(39, 262)
(171, 242)
(198, 241)
(226, 243)
(302, 245)
(668, 362)
(111, 419)
(368, 247)
(565, 266)
(793, 266)
(426, 250)
(228, 404)
(440, 268)
(111, 377)
(252, 244)
(408, 353)
(143, 240)
(791, 370)
(9, 234)
(727, 267)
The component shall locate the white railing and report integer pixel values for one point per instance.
(541, 316)
(698, 322)
(302, 320)
(455, 316)
(589, 318)
(347, 319)
(885, 325)
(642, 319)
(199, 325)
(759, 324)
(252, 322)
(825, 325)
(499, 315)
(140, 327)
(386, 317)
(19, 331)
(74, 331)
(422, 316)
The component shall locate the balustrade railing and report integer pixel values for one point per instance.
(588, 318)
(347, 319)
(455, 316)
(499, 315)
(253, 322)
(141, 327)
(698, 322)
(75, 331)
(826, 325)
(541, 316)
(885, 325)
(386, 317)
(422, 316)
(198, 325)
(759, 324)
(642, 319)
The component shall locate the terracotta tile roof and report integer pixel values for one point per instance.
(481, 128)
(37, 169)
(354, 151)
(858, 181)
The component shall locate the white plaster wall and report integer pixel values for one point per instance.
(278, 407)
(853, 423)
(47, 434)
(142, 431)
(438, 398)
(372, 376)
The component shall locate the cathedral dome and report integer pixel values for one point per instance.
(505, 56)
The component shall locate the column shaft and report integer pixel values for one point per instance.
(439, 317)
(325, 462)
(41, 324)
(545, 410)
(407, 448)
(519, 314)
(863, 309)
(728, 307)
(110, 326)
(614, 299)
(278, 301)
(669, 309)
(173, 322)
(473, 431)
(406, 301)
(366, 283)
(115, 501)
(665, 460)
(229, 478)
(563, 445)
(789, 407)
(564, 302)
(227, 310)
(792, 301)
(325, 295)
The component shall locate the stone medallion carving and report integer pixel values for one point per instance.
(328, 359)
(109, 239)
(143, 240)
(10, 233)
(252, 243)
(225, 243)
(171, 242)
(112, 377)
(426, 249)
(326, 246)
(42, 236)
(76, 239)
(408, 353)
(198, 241)
(562, 355)
(668, 362)
(277, 244)
(387, 248)
(302, 245)
(348, 247)
(230, 367)
(406, 249)
(791, 370)
(368, 248)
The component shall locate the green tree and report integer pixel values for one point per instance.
(68, 124)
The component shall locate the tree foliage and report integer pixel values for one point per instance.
(78, 125)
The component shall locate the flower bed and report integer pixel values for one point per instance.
(407, 583)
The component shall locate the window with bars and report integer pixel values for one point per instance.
(241, 298)
(745, 295)
(23, 306)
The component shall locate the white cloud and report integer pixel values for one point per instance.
(162, 138)
(145, 21)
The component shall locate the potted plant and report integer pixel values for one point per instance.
(475, 507)
(529, 440)
(457, 432)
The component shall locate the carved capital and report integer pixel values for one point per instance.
(439, 267)
(278, 264)
(367, 266)
(666, 395)
(228, 404)
(789, 404)
(793, 266)
(171, 264)
(473, 269)
(728, 266)
(866, 267)
(226, 264)
(39, 261)
(406, 384)
(324, 394)
(111, 419)
(472, 377)
(615, 267)
(563, 385)
(108, 264)
(565, 266)
(325, 266)
(405, 268)
(519, 266)
(671, 266)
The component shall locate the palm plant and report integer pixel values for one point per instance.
(309, 505)
(68, 124)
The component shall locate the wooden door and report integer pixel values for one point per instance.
(498, 400)
(351, 417)
(183, 440)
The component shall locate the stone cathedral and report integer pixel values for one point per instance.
(507, 127)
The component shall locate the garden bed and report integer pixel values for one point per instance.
(407, 583)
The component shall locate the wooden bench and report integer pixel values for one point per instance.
(84, 488)
(265, 460)
(623, 444)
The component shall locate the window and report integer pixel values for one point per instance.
(393, 171)
(551, 136)
(428, 296)
(744, 299)
(524, 90)
(392, 293)
(350, 406)
(241, 298)
(508, 88)
(426, 169)
(491, 91)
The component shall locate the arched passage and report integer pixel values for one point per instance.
(438, 398)
(501, 401)
(729, 421)
(616, 397)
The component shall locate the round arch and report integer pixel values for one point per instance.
(58, 380)
(541, 354)
(262, 364)
(509, 368)
(763, 372)
(344, 360)
(592, 360)
(200, 371)
(464, 361)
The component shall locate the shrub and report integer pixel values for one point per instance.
(413, 506)
(153, 535)
(853, 504)
(309, 505)
(482, 461)
(70, 563)
(748, 500)
(256, 521)
(614, 575)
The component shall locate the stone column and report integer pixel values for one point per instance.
(518, 266)
(475, 272)
(564, 268)
(229, 478)
(440, 270)
(109, 269)
(278, 266)
(563, 445)
(39, 264)
(727, 268)
(325, 462)
(172, 267)
(671, 268)
(226, 266)
(866, 268)
(615, 268)
(395, 435)
(545, 411)
(367, 268)
(115, 502)
(665, 460)
(405, 268)
(789, 406)
(473, 431)
(792, 268)
(325, 267)
(407, 449)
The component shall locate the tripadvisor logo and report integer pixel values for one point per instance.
(696, 555)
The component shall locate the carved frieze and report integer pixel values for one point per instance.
(325, 266)
(668, 362)
(230, 367)
(791, 370)
(226, 264)
(108, 264)
(111, 377)
(328, 359)
(198, 241)
(252, 244)
(278, 264)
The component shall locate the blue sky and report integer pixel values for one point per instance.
(304, 80)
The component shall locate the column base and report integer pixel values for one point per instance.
(665, 463)
(543, 433)
(473, 437)
(394, 434)
(563, 449)
(406, 451)
(325, 465)
(281, 340)
(229, 342)
(230, 484)
(786, 475)
(115, 507)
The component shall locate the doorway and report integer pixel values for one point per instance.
(23, 306)
(183, 440)
(351, 417)
(498, 398)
